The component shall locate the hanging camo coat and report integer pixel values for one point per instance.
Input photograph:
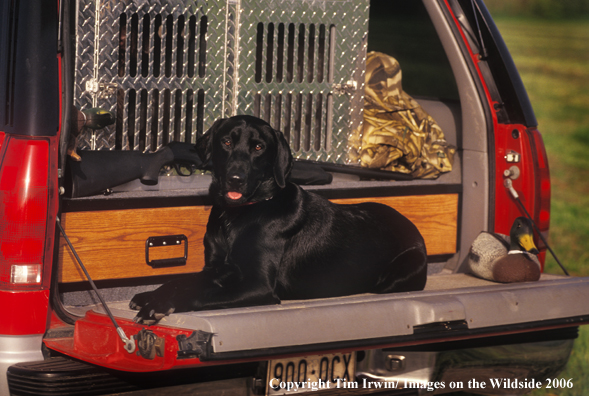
(397, 135)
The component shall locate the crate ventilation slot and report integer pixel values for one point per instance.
(296, 54)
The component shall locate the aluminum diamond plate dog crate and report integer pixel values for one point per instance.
(169, 69)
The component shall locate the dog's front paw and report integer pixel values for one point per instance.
(151, 308)
(140, 299)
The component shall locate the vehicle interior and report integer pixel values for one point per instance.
(167, 78)
(146, 119)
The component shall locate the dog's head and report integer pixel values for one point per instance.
(249, 159)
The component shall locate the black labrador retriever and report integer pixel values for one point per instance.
(269, 240)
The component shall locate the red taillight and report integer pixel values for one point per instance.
(24, 198)
(542, 205)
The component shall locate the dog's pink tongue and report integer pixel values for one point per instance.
(234, 195)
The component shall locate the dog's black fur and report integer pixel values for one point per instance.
(269, 240)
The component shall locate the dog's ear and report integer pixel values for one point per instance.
(283, 161)
(204, 145)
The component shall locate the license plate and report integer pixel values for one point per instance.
(310, 373)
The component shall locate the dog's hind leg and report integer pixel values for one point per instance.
(407, 272)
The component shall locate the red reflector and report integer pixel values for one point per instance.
(545, 187)
(544, 216)
(23, 210)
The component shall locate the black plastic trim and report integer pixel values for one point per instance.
(54, 296)
(388, 191)
(452, 333)
(441, 258)
(117, 283)
(99, 203)
(29, 79)
(62, 375)
(112, 202)
(440, 327)
(565, 333)
(67, 75)
(527, 116)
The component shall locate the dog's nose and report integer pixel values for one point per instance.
(236, 179)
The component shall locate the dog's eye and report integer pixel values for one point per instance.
(259, 146)
(227, 143)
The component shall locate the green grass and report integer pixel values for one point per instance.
(553, 59)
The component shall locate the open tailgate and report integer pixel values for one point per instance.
(456, 306)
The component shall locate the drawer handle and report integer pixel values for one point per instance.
(168, 240)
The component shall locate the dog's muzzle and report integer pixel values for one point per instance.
(235, 183)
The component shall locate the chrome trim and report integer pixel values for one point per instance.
(15, 349)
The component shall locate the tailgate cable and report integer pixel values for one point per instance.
(509, 185)
(129, 343)
(483, 48)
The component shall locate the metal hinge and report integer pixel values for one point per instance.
(100, 89)
(149, 345)
(345, 88)
(195, 345)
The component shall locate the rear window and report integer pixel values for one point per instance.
(403, 30)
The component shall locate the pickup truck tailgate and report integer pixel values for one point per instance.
(454, 306)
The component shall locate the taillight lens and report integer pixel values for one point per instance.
(541, 213)
(24, 190)
(542, 172)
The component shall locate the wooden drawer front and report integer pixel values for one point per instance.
(436, 217)
(111, 243)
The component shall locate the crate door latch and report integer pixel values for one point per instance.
(166, 241)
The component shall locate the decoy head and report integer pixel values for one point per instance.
(522, 236)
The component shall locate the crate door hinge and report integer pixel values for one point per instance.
(101, 90)
(347, 88)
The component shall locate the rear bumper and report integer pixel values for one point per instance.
(437, 368)
(494, 365)
(14, 349)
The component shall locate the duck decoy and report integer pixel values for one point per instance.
(499, 258)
